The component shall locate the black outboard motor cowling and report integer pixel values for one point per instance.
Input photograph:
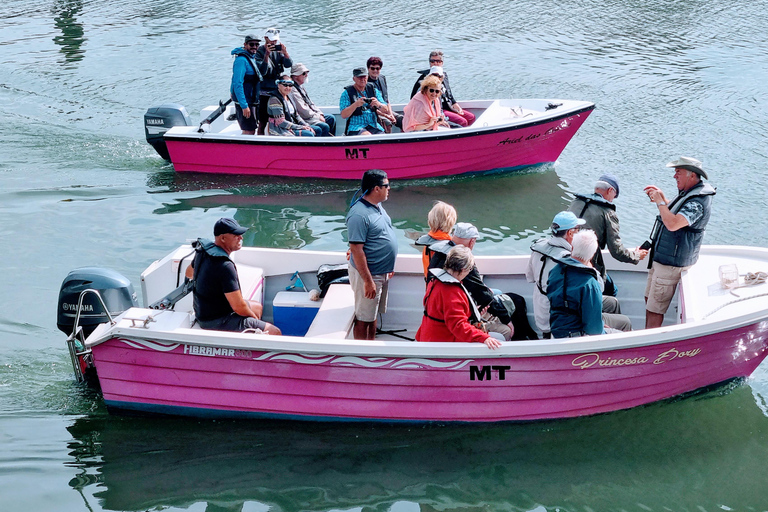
(158, 120)
(115, 289)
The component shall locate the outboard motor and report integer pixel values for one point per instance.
(115, 290)
(158, 120)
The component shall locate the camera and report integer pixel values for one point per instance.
(278, 47)
(368, 100)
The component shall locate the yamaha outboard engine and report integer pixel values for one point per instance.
(116, 291)
(159, 120)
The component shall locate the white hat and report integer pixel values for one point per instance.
(273, 34)
(690, 164)
(436, 70)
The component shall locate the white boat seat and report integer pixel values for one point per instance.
(251, 282)
(336, 314)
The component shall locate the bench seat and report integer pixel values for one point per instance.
(336, 314)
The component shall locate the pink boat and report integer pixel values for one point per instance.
(507, 135)
(159, 362)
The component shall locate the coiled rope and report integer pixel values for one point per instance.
(750, 279)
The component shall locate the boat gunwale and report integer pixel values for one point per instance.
(365, 140)
(438, 350)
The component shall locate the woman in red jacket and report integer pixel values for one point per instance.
(448, 307)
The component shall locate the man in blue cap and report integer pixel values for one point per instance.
(599, 214)
(545, 255)
(218, 302)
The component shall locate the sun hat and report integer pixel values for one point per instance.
(273, 34)
(612, 180)
(226, 225)
(689, 164)
(465, 230)
(564, 221)
(298, 68)
(436, 70)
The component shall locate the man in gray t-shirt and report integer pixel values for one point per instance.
(373, 250)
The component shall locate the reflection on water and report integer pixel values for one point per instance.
(507, 209)
(620, 461)
(72, 33)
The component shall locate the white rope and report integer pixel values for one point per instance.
(750, 279)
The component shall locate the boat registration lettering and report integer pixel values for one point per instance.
(357, 153)
(585, 361)
(197, 350)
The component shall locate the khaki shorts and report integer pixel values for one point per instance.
(661, 286)
(367, 309)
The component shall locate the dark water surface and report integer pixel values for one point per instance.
(79, 186)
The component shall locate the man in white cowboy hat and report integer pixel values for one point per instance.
(677, 234)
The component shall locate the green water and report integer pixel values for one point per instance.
(79, 186)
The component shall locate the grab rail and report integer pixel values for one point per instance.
(76, 351)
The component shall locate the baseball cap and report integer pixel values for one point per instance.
(465, 230)
(273, 34)
(359, 72)
(566, 220)
(612, 180)
(226, 225)
(250, 37)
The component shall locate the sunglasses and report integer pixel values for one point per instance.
(384, 185)
(374, 68)
(252, 44)
(286, 84)
(435, 60)
(434, 90)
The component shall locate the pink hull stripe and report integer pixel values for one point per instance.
(138, 376)
(345, 158)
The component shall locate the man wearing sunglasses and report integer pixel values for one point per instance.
(373, 250)
(247, 75)
(451, 107)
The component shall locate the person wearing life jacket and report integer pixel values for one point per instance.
(305, 107)
(281, 112)
(388, 117)
(450, 314)
(465, 234)
(545, 253)
(358, 105)
(217, 299)
(599, 212)
(574, 293)
(246, 81)
(677, 234)
(441, 219)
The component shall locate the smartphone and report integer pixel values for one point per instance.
(646, 245)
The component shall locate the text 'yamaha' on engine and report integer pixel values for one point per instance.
(88, 297)
(158, 120)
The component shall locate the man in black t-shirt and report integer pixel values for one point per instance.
(217, 299)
